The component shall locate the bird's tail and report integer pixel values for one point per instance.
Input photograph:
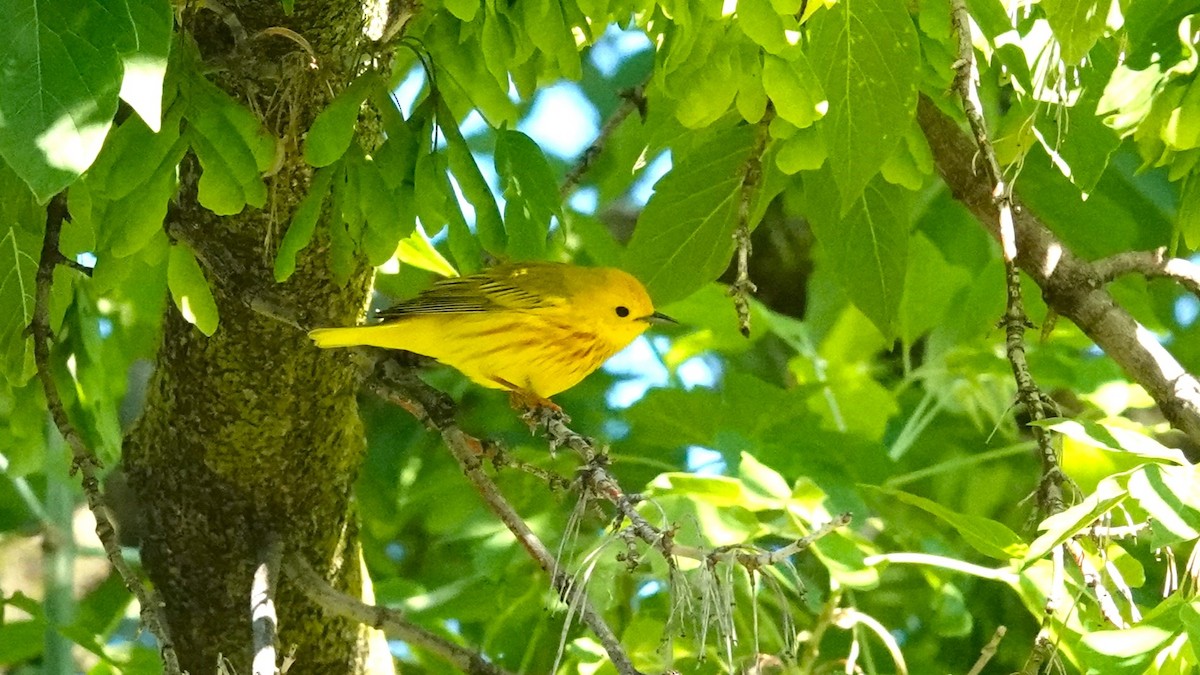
(341, 337)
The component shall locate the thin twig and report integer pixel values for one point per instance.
(1050, 491)
(821, 625)
(63, 260)
(1092, 580)
(468, 450)
(388, 620)
(83, 459)
(988, 651)
(597, 480)
(1150, 264)
(1116, 531)
(632, 99)
(1043, 647)
(264, 622)
(742, 287)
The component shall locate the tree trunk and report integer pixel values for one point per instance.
(253, 432)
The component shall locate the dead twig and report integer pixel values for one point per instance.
(1050, 492)
(752, 177)
(988, 651)
(84, 460)
(390, 621)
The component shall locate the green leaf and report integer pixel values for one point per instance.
(684, 236)
(1188, 221)
(431, 191)
(547, 28)
(304, 223)
(144, 43)
(343, 232)
(1128, 651)
(140, 215)
(930, 286)
(489, 226)
(233, 148)
(21, 641)
(464, 80)
(1153, 31)
(759, 21)
(794, 88)
(707, 91)
(751, 97)
(802, 151)
(58, 89)
(190, 290)
(530, 193)
(132, 155)
(331, 132)
(21, 225)
(389, 216)
(19, 249)
(911, 163)
(991, 16)
(1110, 437)
(497, 44)
(989, 537)
(1189, 616)
(437, 205)
(465, 10)
(866, 248)
(1062, 526)
(1081, 135)
(867, 58)
(123, 197)
(1077, 24)
(1171, 495)
(219, 189)
(418, 251)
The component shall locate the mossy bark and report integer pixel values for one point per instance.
(253, 431)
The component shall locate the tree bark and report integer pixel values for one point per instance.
(1070, 286)
(253, 431)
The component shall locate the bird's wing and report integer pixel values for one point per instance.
(499, 288)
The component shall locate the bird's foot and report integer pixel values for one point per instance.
(535, 410)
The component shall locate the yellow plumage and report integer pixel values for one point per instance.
(536, 328)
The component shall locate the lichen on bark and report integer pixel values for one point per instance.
(253, 430)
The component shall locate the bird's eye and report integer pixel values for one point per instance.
(622, 311)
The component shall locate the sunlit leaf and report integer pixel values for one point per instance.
(684, 236)
(866, 57)
(190, 290)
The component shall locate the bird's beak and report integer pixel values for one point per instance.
(659, 318)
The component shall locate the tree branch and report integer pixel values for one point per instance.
(632, 99)
(264, 622)
(467, 450)
(597, 480)
(1070, 285)
(1150, 264)
(742, 287)
(83, 459)
(382, 618)
(1050, 496)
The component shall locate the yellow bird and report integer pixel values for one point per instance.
(533, 328)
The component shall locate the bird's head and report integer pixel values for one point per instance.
(617, 305)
